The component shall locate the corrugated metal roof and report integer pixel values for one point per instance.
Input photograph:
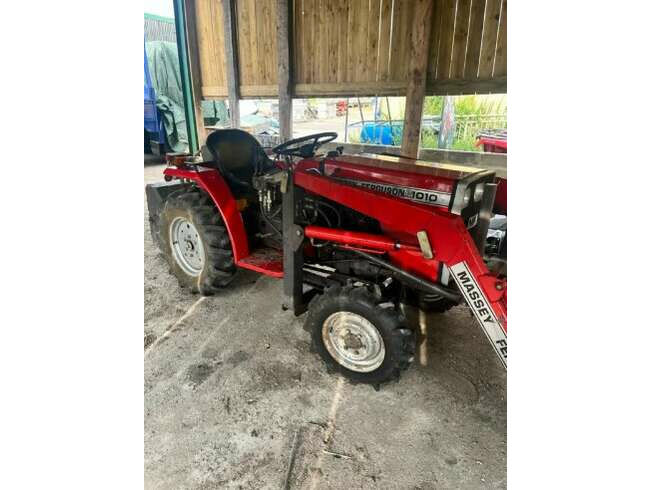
(157, 28)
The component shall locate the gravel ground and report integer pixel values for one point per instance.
(230, 384)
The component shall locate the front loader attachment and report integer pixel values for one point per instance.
(451, 245)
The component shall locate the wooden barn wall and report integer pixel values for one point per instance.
(212, 58)
(257, 48)
(467, 52)
(351, 47)
(356, 47)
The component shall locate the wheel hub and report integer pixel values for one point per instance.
(353, 341)
(186, 246)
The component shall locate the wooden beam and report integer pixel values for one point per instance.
(417, 76)
(230, 38)
(257, 91)
(496, 85)
(195, 68)
(283, 25)
(214, 92)
(350, 89)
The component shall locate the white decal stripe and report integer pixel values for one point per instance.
(485, 315)
(425, 196)
(489, 305)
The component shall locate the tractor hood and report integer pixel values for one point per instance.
(456, 188)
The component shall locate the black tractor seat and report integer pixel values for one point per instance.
(238, 156)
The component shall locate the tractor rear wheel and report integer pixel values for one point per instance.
(195, 242)
(357, 337)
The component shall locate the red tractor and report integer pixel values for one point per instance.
(353, 238)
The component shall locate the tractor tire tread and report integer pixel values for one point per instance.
(400, 342)
(219, 269)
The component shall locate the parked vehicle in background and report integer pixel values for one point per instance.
(493, 140)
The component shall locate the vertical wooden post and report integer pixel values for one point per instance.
(417, 77)
(195, 69)
(230, 38)
(285, 106)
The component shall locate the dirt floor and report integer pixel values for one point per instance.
(231, 390)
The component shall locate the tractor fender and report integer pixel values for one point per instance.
(213, 183)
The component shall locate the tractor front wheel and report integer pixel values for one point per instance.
(195, 242)
(357, 337)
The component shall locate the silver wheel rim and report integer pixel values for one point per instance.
(353, 341)
(187, 247)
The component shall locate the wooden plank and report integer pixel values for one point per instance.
(372, 40)
(460, 39)
(403, 18)
(415, 89)
(203, 22)
(219, 40)
(283, 35)
(257, 91)
(356, 38)
(331, 40)
(434, 87)
(267, 45)
(298, 43)
(195, 69)
(244, 47)
(212, 92)
(259, 59)
(256, 33)
(350, 89)
(488, 45)
(361, 41)
(474, 39)
(448, 10)
(326, 34)
(383, 57)
(398, 37)
(229, 23)
(435, 40)
(341, 21)
(501, 61)
(319, 53)
(308, 38)
(266, 42)
(497, 85)
(209, 28)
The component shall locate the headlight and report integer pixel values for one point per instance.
(478, 192)
(467, 196)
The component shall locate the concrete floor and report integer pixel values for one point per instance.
(230, 384)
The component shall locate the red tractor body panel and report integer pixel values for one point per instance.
(401, 177)
(212, 182)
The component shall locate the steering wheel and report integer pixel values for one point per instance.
(305, 146)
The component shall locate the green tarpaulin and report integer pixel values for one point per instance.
(166, 79)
